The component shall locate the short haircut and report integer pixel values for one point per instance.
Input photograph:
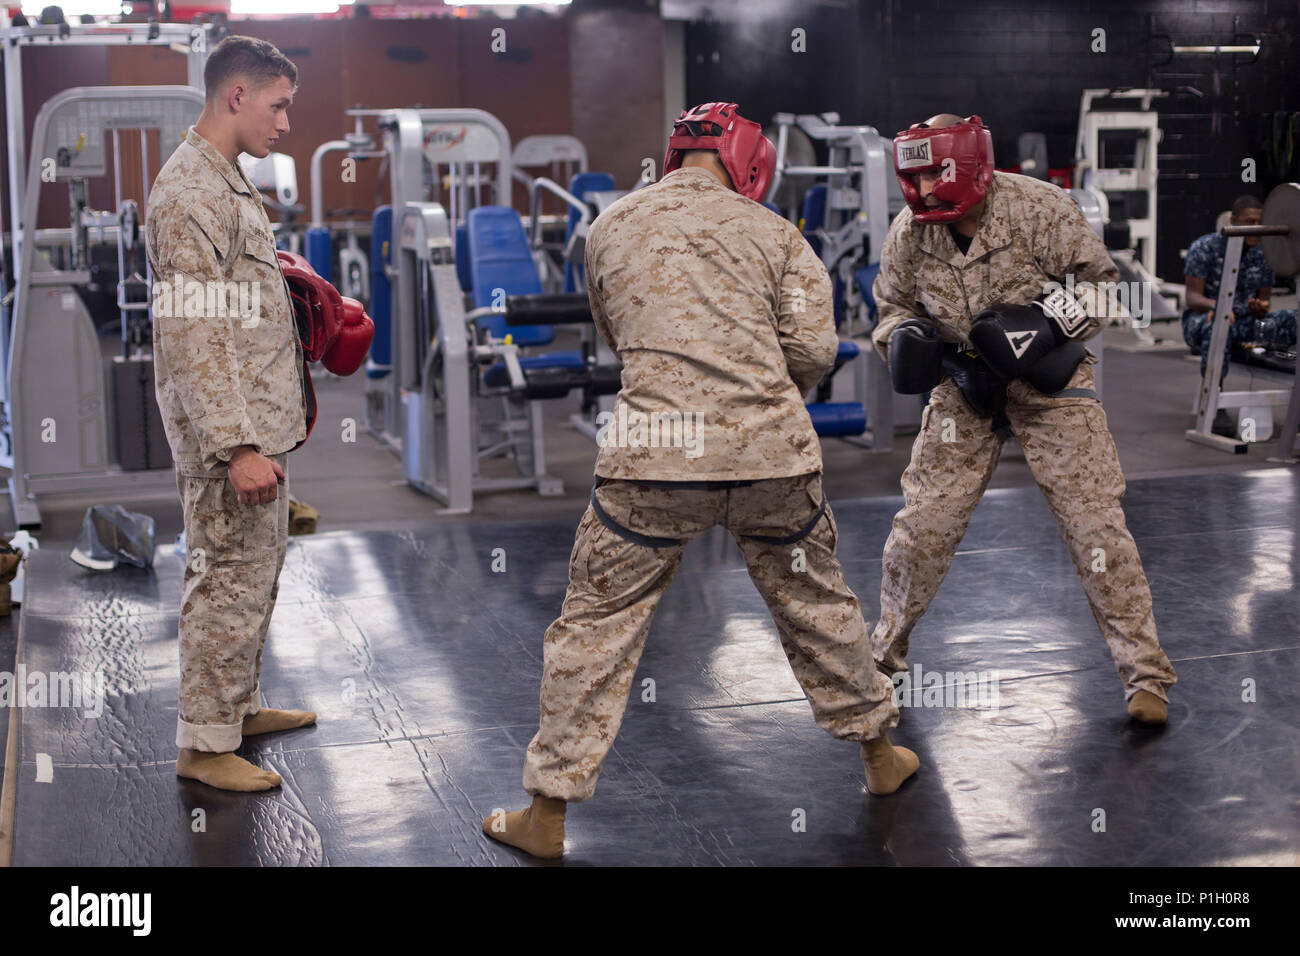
(1242, 203)
(256, 60)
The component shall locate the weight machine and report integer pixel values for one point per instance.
(459, 388)
(851, 197)
(77, 419)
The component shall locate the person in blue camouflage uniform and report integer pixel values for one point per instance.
(1255, 279)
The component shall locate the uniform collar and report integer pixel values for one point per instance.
(229, 171)
(993, 233)
(697, 172)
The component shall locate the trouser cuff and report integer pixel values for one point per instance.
(1154, 687)
(209, 738)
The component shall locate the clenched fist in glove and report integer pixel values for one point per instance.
(915, 357)
(1014, 338)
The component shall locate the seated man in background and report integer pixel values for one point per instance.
(1250, 302)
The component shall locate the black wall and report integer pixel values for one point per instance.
(1022, 66)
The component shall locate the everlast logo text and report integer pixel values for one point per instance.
(912, 155)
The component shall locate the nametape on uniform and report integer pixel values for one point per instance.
(1019, 341)
(1066, 311)
(914, 154)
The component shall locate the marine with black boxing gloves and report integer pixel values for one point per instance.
(973, 253)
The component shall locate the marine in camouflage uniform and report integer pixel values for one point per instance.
(727, 322)
(223, 380)
(1031, 234)
(720, 313)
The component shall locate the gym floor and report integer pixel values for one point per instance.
(424, 666)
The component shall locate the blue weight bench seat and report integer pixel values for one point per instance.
(380, 361)
(570, 361)
(499, 258)
(575, 279)
(836, 419)
(866, 279)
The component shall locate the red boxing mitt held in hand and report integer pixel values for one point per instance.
(351, 345)
(334, 331)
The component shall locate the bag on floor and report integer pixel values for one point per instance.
(111, 535)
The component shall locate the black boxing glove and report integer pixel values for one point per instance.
(1014, 338)
(1055, 369)
(915, 357)
(984, 390)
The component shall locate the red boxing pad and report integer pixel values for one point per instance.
(352, 343)
(317, 305)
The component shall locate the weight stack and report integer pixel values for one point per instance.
(141, 441)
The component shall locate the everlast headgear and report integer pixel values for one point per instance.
(962, 155)
(748, 155)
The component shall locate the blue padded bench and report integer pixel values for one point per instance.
(499, 258)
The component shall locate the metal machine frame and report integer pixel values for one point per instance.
(1088, 171)
(429, 409)
(858, 172)
(54, 365)
(562, 156)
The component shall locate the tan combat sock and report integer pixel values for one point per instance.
(1148, 708)
(224, 771)
(268, 721)
(539, 830)
(887, 766)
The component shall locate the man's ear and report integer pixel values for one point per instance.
(237, 95)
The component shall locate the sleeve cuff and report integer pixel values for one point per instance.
(219, 443)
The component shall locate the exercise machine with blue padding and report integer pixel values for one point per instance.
(460, 367)
(844, 214)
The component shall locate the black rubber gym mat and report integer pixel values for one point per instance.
(424, 665)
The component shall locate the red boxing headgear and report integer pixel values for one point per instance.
(748, 155)
(964, 156)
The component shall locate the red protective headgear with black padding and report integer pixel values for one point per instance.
(748, 155)
(963, 156)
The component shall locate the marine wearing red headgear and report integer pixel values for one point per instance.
(748, 155)
(962, 153)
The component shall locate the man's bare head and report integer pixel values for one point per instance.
(1247, 211)
(255, 63)
(941, 120)
(249, 85)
